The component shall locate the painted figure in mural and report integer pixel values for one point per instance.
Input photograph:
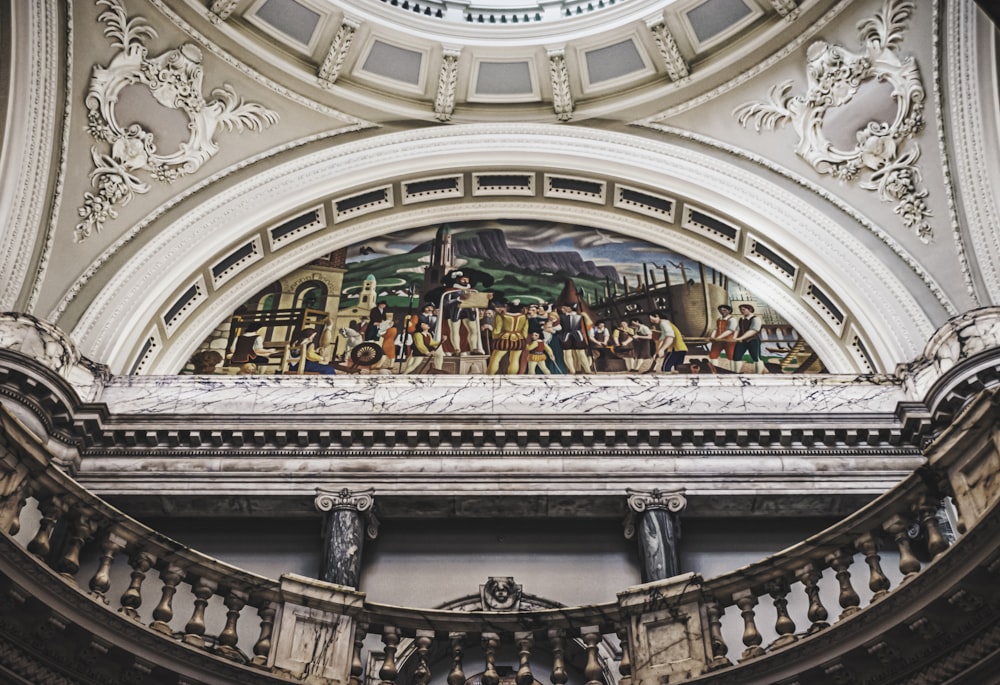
(250, 346)
(623, 342)
(376, 318)
(538, 352)
(723, 339)
(643, 336)
(454, 307)
(599, 337)
(670, 345)
(425, 347)
(429, 316)
(550, 334)
(575, 345)
(510, 333)
(302, 354)
(387, 333)
(536, 318)
(747, 339)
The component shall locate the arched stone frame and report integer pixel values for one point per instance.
(878, 300)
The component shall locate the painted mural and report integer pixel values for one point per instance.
(505, 297)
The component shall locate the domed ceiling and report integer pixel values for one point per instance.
(203, 150)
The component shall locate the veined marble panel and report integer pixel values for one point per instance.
(504, 396)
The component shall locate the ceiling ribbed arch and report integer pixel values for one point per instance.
(880, 313)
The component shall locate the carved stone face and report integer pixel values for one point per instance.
(501, 594)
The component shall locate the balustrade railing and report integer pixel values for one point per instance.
(668, 630)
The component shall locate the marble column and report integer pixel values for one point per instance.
(652, 520)
(349, 520)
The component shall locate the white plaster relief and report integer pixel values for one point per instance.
(562, 96)
(30, 127)
(673, 60)
(174, 79)
(885, 151)
(330, 69)
(444, 101)
(222, 9)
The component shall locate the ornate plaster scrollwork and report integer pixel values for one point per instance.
(562, 96)
(174, 80)
(884, 150)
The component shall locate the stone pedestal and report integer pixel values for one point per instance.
(667, 628)
(314, 631)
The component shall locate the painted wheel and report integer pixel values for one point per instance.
(367, 353)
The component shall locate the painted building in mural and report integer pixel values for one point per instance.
(506, 297)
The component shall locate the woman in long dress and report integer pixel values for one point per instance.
(550, 332)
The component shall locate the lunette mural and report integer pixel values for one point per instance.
(505, 297)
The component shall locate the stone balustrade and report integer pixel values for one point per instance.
(665, 631)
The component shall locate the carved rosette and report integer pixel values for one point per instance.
(344, 499)
(174, 80)
(337, 54)
(885, 154)
(444, 102)
(640, 501)
(673, 60)
(562, 97)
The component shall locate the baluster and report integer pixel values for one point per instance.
(14, 484)
(897, 527)
(388, 672)
(82, 529)
(111, 545)
(625, 665)
(131, 599)
(358, 668)
(746, 600)
(51, 509)
(10, 513)
(195, 628)
(719, 647)
(558, 641)
(817, 613)
(524, 642)
(422, 642)
(262, 648)
(784, 626)
(456, 676)
(840, 561)
(226, 642)
(592, 670)
(490, 675)
(878, 583)
(926, 513)
(164, 611)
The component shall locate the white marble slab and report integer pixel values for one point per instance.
(502, 396)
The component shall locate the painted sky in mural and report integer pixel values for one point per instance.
(508, 297)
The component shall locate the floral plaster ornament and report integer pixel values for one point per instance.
(884, 156)
(174, 80)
